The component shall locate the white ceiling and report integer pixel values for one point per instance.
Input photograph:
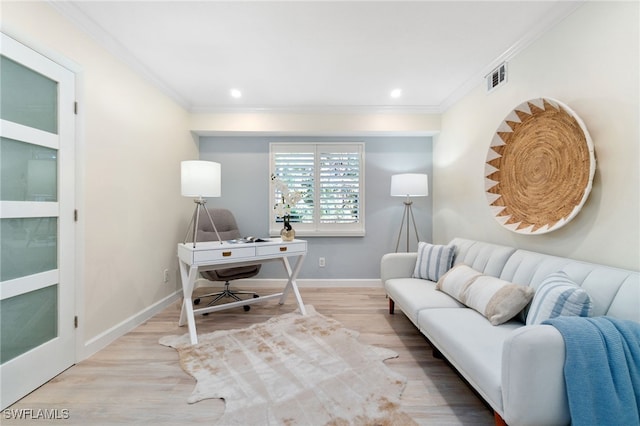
(308, 55)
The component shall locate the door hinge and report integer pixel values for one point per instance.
(75, 215)
(75, 108)
(75, 321)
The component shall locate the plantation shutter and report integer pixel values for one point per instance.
(330, 177)
(339, 186)
(297, 170)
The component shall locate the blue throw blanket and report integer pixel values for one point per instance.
(601, 370)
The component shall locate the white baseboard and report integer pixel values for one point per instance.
(103, 339)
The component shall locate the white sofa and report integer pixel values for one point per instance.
(517, 369)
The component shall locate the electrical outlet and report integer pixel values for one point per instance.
(165, 276)
(321, 262)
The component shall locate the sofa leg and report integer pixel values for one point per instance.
(436, 353)
(499, 420)
(392, 306)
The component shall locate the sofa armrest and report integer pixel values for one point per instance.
(397, 265)
(533, 389)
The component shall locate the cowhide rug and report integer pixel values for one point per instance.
(293, 370)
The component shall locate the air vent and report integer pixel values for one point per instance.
(497, 77)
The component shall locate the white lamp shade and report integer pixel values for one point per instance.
(200, 179)
(409, 185)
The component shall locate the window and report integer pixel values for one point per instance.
(328, 179)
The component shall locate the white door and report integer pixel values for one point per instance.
(37, 332)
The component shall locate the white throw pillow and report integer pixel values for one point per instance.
(433, 261)
(456, 280)
(558, 295)
(496, 299)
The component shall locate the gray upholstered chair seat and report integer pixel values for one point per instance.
(235, 273)
(228, 230)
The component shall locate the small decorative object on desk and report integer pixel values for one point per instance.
(245, 240)
(287, 233)
(283, 208)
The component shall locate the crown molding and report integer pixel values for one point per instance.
(117, 49)
(104, 39)
(542, 27)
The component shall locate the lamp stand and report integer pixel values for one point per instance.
(408, 212)
(200, 202)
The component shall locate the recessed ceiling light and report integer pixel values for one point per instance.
(235, 93)
(396, 93)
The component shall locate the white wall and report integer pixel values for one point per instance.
(589, 62)
(131, 211)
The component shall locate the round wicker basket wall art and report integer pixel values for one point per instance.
(539, 167)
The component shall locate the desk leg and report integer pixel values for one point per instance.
(188, 278)
(291, 282)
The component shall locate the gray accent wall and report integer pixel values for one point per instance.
(245, 191)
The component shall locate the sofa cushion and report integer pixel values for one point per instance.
(605, 287)
(474, 349)
(484, 257)
(625, 304)
(412, 294)
(558, 295)
(433, 261)
(496, 299)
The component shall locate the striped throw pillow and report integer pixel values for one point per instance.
(433, 261)
(558, 295)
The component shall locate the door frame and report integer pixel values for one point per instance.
(76, 244)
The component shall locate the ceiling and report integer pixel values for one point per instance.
(315, 55)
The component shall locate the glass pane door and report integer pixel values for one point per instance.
(28, 97)
(36, 238)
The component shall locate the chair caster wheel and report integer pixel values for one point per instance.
(196, 301)
(246, 308)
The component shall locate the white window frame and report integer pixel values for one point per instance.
(316, 228)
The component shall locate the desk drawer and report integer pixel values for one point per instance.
(223, 254)
(281, 248)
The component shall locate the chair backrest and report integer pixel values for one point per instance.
(228, 230)
(225, 223)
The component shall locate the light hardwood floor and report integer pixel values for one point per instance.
(136, 380)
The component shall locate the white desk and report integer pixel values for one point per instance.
(210, 255)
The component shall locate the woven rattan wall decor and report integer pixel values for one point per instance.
(539, 168)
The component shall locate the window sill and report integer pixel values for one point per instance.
(329, 234)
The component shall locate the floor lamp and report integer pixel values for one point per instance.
(409, 185)
(200, 179)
